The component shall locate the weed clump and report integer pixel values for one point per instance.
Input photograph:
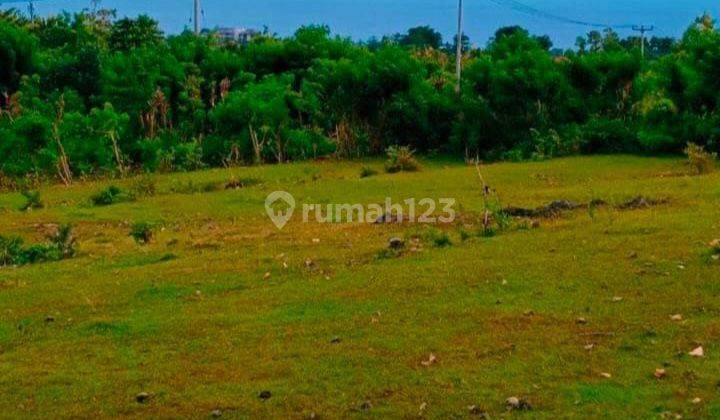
(401, 159)
(145, 186)
(142, 232)
(702, 161)
(110, 195)
(191, 187)
(59, 246)
(367, 172)
(240, 183)
(32, 200)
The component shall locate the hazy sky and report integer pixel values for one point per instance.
(362, 19)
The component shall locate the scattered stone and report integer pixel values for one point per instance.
(478, 412)
(581, 321)
(676, 317)
(335, 340)
(267, 276)
(265, 395)
(515, 403)
(660, 373)
(640, 202)
(697, 400)
(552, 209)
(49, 319)
(216, 413)
(606, 375)
(142, 397)
(397, 244)
(388, 218)
(367, 405)
(698, 352)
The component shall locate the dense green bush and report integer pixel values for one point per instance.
(85, 94)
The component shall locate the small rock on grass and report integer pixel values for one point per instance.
(515, 403)
(265, 395)
(660, 373)
(216, 413)
(676, 317)
(396, 244)
(478, 412)
(142, 397)
(335, 340)
(698, 352)
(581, 321)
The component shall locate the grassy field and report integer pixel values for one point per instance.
(222, 306)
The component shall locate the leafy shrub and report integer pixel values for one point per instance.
(401, 158)
(60, 246)
(702, 161)
(430, 235)
(32, 200)
(367, 172)
(109, 196)
(11, 250)
(142, 232)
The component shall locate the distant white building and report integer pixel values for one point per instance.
(238, 35)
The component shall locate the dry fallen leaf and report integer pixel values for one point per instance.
(430, 361)
(698, 352)
(423, 406)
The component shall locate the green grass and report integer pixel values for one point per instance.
(191, 319)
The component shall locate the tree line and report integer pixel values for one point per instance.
(88, 94)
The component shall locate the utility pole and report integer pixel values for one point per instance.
(459, 48)
(198, 12)
(643, 30)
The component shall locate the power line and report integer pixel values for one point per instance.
(529, 10)
(642, 29)
(459, 50)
